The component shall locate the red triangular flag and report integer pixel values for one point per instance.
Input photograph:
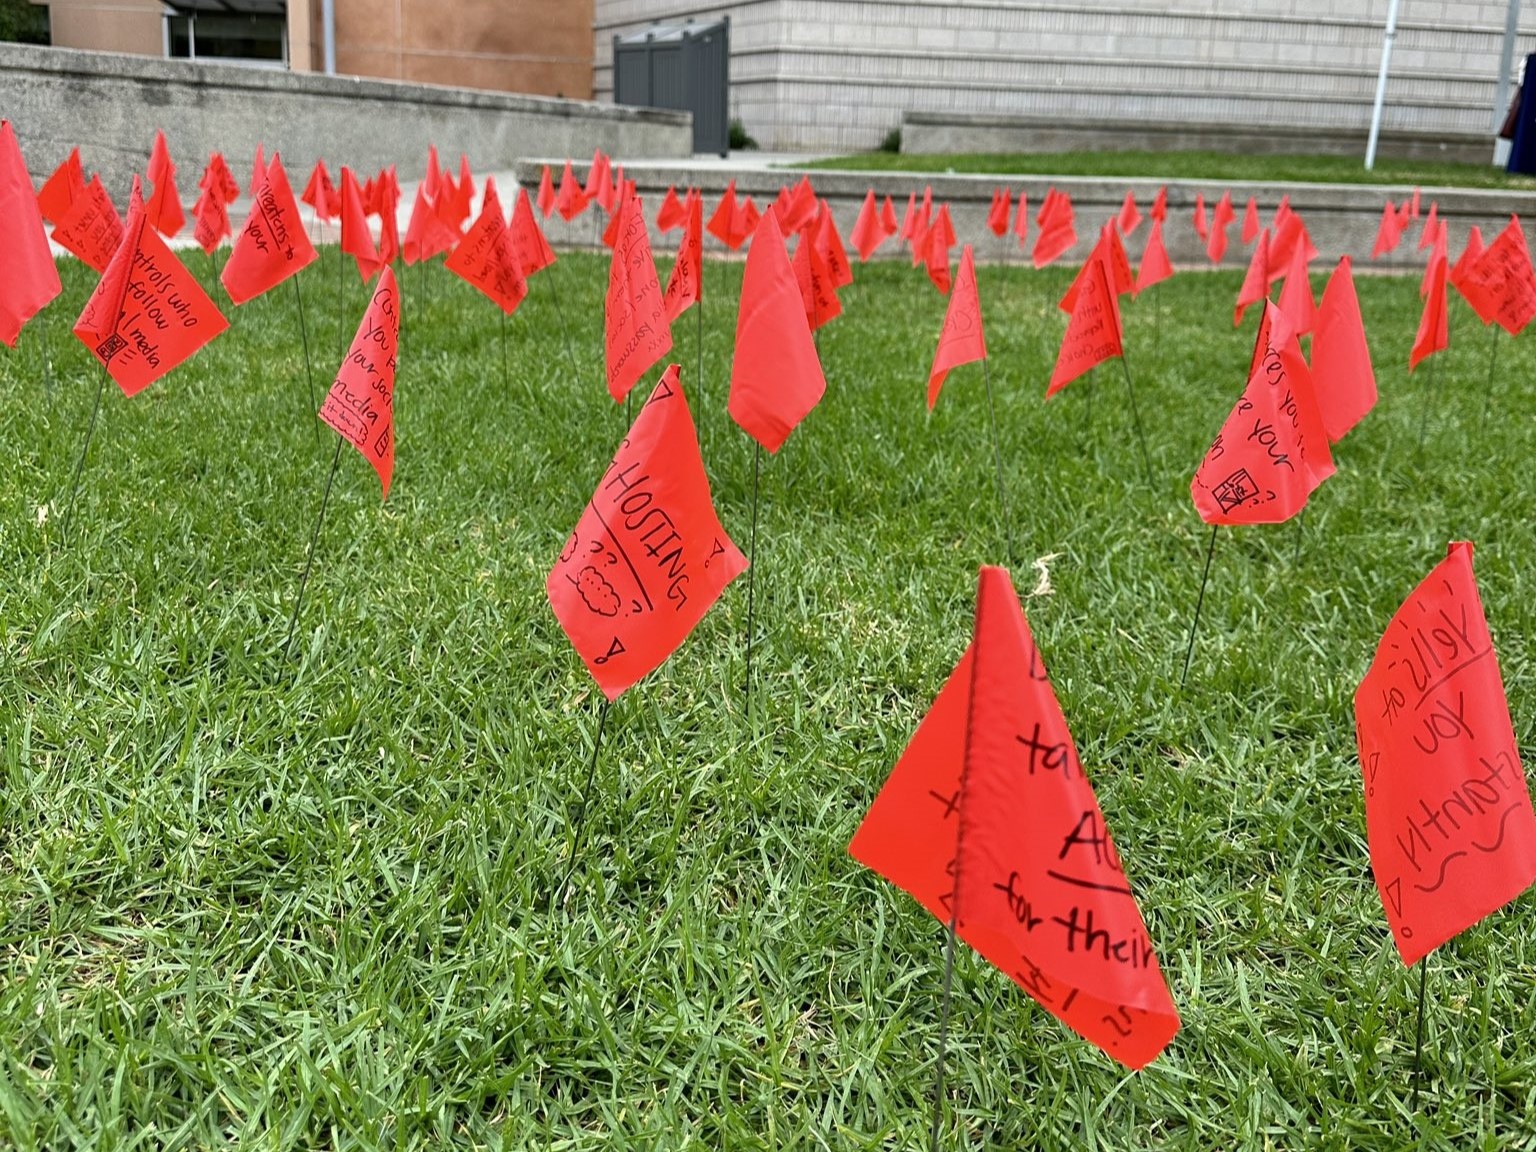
(600, 181)
(531, 249)
(258, 169)
(356, 237)
(1296, 299)
(1388, 233)
(1501, 286)
(1093, 332)
(830, 244)
(272, 245)
(1256, 282)
(1431, 227)
(361, 403)
(426, 235)
(670, 215)
(798, 205)
(1155, 267)
(321, 195)
(888, 223)
(1221, 219)
(1413, 206)
(961, 340)
(432, 181)
(58, 195)
(637, 334)
(163, 208)
(685, 287)
(722, 224)
(1130, 216)
(31, 278)
(997, 216)
(485, 257)
(1342, 377)
(1058, 232)
(868, 232)
(988, 820)
(1468, 259)
(546, 193)
(148, 313)
(1117, 267)
(1287, 237)
(92, 229)
(211, 217)
(745, 222)
(1250, 222)
(218, 179)
(389, 216)
(1021, 220)
(937, 242)
(1447, 809)
(1160, 205)
(1272, 451)
(464, 193)
(648, 557)
(1202, 228)
(776, 377)
(1434, 324)
(909, 217)
(817, 292)
(571, 201)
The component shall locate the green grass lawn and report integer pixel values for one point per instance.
(1191, 166)
(313, 906)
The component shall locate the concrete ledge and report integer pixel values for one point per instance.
(928, 133)
(110, 105)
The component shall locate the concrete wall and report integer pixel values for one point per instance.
(839, 74)
(111, 105)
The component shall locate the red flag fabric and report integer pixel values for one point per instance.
(1467, 261)
(389, 216)
(725, 223)
(1221, 219)
(798, 204)
(997, 215)
(671, 214)
(637, 334)
(1117, 267)
(922, 221)
(1021, 220)
(1256, 282)
(31, 278)
(1283, 215)
(814, 279)
(937, 242)
(1434, 332)
(320, 194)
(546, 193)
(1290, 235)
(361, 403)
(888, 223)
(1431, 227)
(370, 195)
(868, 232)
(258, 169)
(829, 242)
(648, 557)
(1155, 267)
(1202, 228)
(1440, 251)
(464, 193)
(746, 220)
(272, 245)
(426, 234)
(1296, 299)
(1342, 376)
(909, 217)
(1160, 205)
(776, 377)
(1413, 206)
(1388, 232)
(432, 180)
(163, 208)
(989, 820)
(570, 201)
(1501, 285)
(1447, 809)
(1093, 332)
(685, 287)
(1250, 222)
(1272, 452)
(1404, 216)
(1130, 216)
(92, 229)
(211, 216)
(600, 181)
(356, 237)
(148, 313)
(961, 340)
(1058, 233)
(486, 259)
(59, 193)
(529, 246)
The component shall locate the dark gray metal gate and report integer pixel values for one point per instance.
(682, 66)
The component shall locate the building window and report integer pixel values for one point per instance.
(233, 31)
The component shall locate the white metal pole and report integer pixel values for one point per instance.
(1506, 65)
(328, 34)
(1381, 85)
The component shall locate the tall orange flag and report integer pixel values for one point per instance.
(989, 821)
(961, 340)
(273, 244)
(1155, 267)
(1447, 809)
(91, 229)
(148, 313)
(31, 278)
(163, 208)
(648, 557)
(637, 333)
(1272, 452)
(776, 376)
(685, 287)
(1342, 375)
(1093, 333)
(361, 403)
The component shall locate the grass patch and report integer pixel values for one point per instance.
(312, 907)
(1190, 166)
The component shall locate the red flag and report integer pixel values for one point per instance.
(1283, 215)
(1413, 206)
(464, 193)
(997, 216)
(1342, 376)
(1447, 809)
(937, 242)
(723, 224)
(258, 169)
(1272, 452)
(1501, 286)
(1117, 267)
(1441, 251)
(961, 340)
(212, 220)
(1221, 219)
(272, 245)
(1250, 222)
(31, 278)
(1202, 229)
(637, 334)
(1256, 282)
(1057, 230)
(1130, 216)
(221, 180)
(671, 214)
(1388, 233)
(1155, 267)
(1160, 205)
(1296, 299)
(148, 313)
(797, 205)
(685, 287)
(1404, 218)
(868, 232)
(426, 235)
(485, 257)
(1431, 227)
(571, 201)
(830, 244)
(814, 279)
(62, 189)
(321, 195)
(389, 216)
(648, 557)
(922, 220)
(92, 229)
(432, 181)
(1290, 235)
(546, 193)
(745, 221)
(989, 821)
(776, 376)
(356, 237)
(600, 181)
(1467, 261)
(370, 195)
(1021, 219)
(909, 217)
(888, 223)
(361, 403)
(1434, 327)
(1093, 332)
(529, 246)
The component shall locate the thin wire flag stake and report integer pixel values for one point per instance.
(944, 1009)
(1429, 388)
(85, 446)
(1493, 356)
(1194, 625)
(309, 557)
(579, 825)
(757, 467)
(1418, 1035)
(1141, 439)
(309, 371)
(997, 456)
(565, 330)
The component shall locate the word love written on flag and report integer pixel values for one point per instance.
(1447, 810)
(361, 403)
(648, 557)
(988, 820)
